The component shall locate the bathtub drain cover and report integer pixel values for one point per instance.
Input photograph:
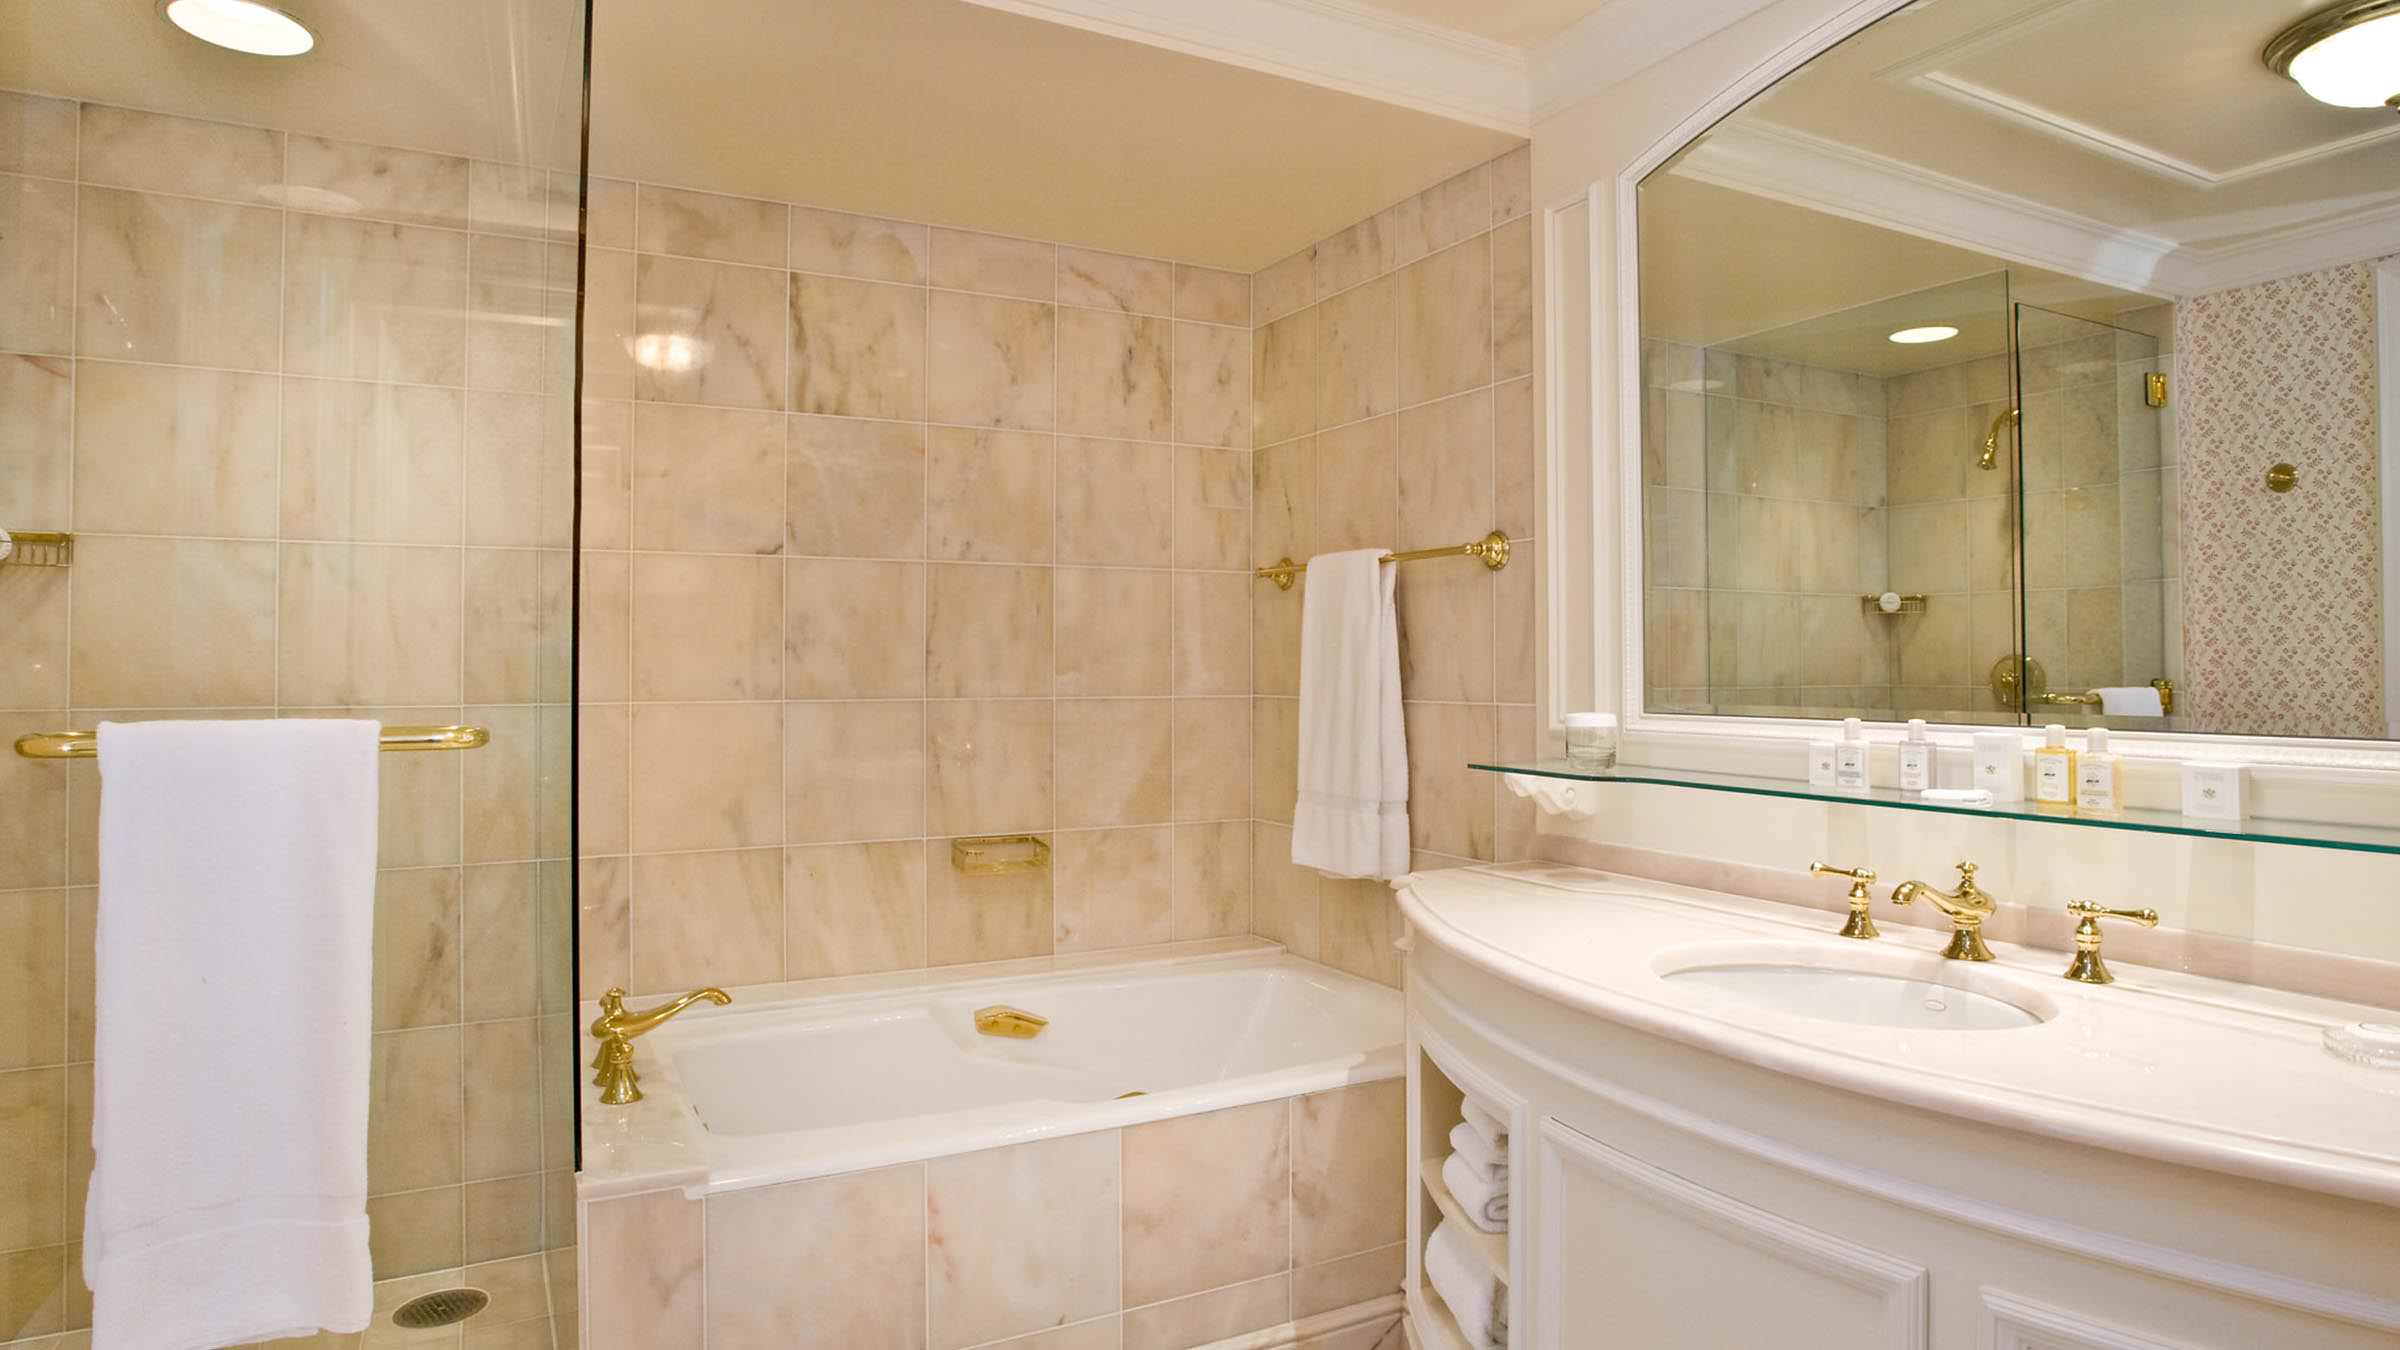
(441, 1308)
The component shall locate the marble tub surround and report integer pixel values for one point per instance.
(316, 464)
(1393, 398)
(943, 533)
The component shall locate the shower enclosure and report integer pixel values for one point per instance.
(288, 349)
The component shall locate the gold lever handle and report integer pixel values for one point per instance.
(615, 1028)
(1861, 923)
(2087, 967)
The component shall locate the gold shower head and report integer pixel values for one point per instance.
(1990, 458)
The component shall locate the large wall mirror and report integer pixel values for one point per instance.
(2018, 361)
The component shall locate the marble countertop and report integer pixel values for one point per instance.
(2200, 1072)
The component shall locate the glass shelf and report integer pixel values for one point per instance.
(2300, 833)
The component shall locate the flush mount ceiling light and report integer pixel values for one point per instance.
(1910, 337)
(240, 25)
(2348, 55)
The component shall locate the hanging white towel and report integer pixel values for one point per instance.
(1486, 1160)
(1351, 819)
(1483, 1197)
(1467, 1286)
(1484, 1122)
(228, 1199)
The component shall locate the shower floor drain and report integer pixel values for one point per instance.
(441, 1308)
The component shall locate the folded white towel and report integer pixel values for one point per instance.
(1485, 1122)
(1351, 818)
(1486, 1160)
(1467, 1285)
(1484, 1198)
(2131, 701)
(228, 1200)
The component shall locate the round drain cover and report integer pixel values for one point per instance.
(441, 1308)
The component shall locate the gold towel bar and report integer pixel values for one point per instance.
(86, 744)
(1492, 548)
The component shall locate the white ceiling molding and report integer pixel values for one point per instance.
(1621, 39)
(1329, 43)
(2367, 232)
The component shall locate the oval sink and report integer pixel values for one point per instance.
(1865, 997)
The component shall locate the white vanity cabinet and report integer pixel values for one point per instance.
(1670, 1196)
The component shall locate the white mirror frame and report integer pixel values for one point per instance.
(1769, 745)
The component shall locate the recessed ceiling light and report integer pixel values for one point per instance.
(2348, 55)
(1939, 332)
(240, 25)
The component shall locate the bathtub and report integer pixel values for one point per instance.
(776, 1089)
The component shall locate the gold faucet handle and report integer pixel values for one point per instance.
(1858, 874)
(2087, 967)
(1861, 924)
(2091, 913)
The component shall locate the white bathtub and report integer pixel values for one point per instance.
(792, 1088)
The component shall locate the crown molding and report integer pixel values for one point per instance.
(1333, 44)
(1620, 39)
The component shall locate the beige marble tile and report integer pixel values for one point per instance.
(987, 766)
(507, 306)
(707, 627)
(709, 225)
(1512, 184)
(1112, 636)
(1283, 495)
(512, 198)
(367, 462)
(1512, 300)
(1340, 1283)
(1101, 1333)
(645, 1267)
(1208, 1318)
(188, 157)
(1283, 358)
(1442, 321)
(37, 434)
(839, 1261)
(1095, 280)
(1357, 254)
(988, 495)
(1357, 487)
(1212, 509)
(993, 361)
(1212, 879)
(1357, 361)
(983, 918)
(416, 1105)
(1112, 761)
(1516, 458)
(608, 215)
(1211, 371)
(37, 135)
(853, 909)
(603, 750)
(1275, 757)
(1114, 502)
(165, 278)
(853, 771)
(854, 629)
(174, 622)
(515, 798)
(855, 489)
(604, 624)
(1211, 632)
(34, 647)
(1442, 215)
(705, 775)
(609, 325)
(986, 1282)
(858, 348)
(994, 264)
(1449, 804)
(33, 832)
(34, 926)
(866, 247)
(707, 480)
(1348, 1173)
(1113, 374)
(519, 457)
(1206, 1201)
(405, 185)
(1516, 624)
(1210, 296)
(1283, 287)
(417, 938)
(988, 631)
(1211, 774)
(368, 624)
(177, 451)
(416, 1230)
(33, 1119)
(498, 922)
(1111, 888)
(503, 1075)
(707, 918)
(734, 318)
(374, 300)
(1356, 923)
(37, 264)
(1446, 633)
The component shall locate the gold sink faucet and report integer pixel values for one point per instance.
(1967, 907)
(615, 1028)
(1861, 924)
(2087, 967)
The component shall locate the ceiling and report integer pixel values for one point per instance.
(1517, 23)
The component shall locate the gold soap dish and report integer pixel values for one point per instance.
(36, 548)
(989, 856)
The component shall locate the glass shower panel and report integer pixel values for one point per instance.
(288, 347)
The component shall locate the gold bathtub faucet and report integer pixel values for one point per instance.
(1967, 907)
(1014, 1023)
(615, 1028)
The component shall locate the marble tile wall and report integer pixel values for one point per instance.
(1177, 1233)
(1954, 534)
(893, 534)
(1393, 369)
(316, 464)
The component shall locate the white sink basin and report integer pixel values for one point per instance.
(1872, 998)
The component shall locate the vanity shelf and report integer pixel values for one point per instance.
(2256, 829)
(1491, 1248)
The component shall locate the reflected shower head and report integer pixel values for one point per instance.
(1990, 458)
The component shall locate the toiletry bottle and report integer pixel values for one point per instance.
(1916, 758)
(1822, 756)
(1850, 758)
(2054, 768)
(1999, 765)
(2099, 782)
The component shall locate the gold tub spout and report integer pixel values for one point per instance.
(1967, 907)
(1016, 1024)
(615, 1028)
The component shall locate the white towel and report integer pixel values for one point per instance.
(1351, 819)
(2131, 701)
(228, 1201)
(1467, 1285)
(1486, 1160)
(1484, 1198)
(1484, 1122)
